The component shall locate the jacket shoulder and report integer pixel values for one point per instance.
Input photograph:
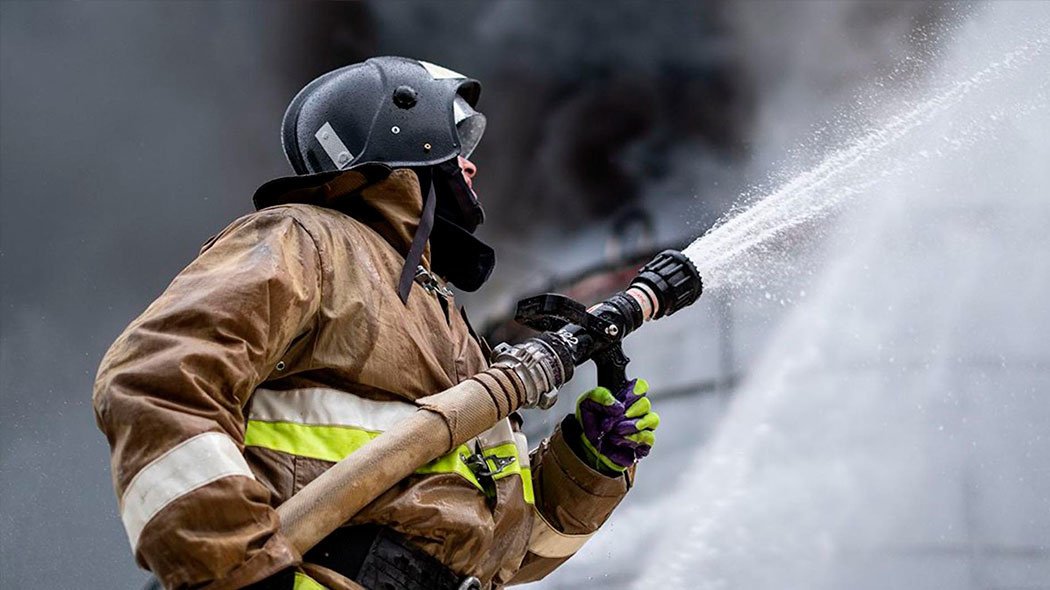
(317, 222)
(312, 218)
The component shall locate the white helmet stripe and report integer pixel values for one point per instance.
(438, 72)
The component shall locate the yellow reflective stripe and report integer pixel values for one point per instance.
(305, 582)
(526, 485)
(335, 443)
(454, 462)
(327, 443)
(516, 468)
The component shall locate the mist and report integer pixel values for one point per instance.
(892, 432)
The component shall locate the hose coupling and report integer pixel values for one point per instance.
(539, 366)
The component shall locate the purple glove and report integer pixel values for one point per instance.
(617, 430)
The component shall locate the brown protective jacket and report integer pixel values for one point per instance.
(284, 347)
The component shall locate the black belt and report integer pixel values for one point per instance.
(380, 559)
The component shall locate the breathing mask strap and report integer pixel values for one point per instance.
(419, 243)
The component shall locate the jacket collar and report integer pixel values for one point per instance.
(387, 201)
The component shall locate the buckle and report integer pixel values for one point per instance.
(479, 464)
(432, 284)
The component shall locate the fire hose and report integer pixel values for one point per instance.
(525, 375)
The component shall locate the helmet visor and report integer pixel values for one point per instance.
(470, 125)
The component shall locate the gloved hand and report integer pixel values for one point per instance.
(617, 430)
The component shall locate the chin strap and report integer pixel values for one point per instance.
(419, 243)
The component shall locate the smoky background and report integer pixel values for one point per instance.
(130, 132)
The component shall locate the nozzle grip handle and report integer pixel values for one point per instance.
(611, 364)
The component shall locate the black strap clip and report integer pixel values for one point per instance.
(432, 284)
(488, 465)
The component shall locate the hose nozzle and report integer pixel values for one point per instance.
(666, 284)
(576, 333)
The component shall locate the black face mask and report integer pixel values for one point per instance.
(458, 256)
(456, 201)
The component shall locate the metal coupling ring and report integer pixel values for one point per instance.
(538, 367)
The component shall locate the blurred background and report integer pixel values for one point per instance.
(870, 411)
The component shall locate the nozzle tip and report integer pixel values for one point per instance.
(673, 279)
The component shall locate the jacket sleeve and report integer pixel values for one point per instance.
(169, 396)
(572, 501)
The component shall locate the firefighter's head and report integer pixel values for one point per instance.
(401, 113)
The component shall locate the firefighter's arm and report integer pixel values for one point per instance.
(572, 501)
(584, 470)
(169, 397)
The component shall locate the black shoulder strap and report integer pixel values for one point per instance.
(419, 243)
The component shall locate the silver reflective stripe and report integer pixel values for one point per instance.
(334, 146)
(523, 448)
(319, 406)
(439, 73)
(499, 434)
(185, 467)
(547, 541)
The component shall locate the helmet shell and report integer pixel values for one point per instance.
(390, 110)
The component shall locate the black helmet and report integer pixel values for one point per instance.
(401, 113)
(390, 110)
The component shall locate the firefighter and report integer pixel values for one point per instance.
(306, 328)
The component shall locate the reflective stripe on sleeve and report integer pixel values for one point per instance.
(185, 467)
(547, 541)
